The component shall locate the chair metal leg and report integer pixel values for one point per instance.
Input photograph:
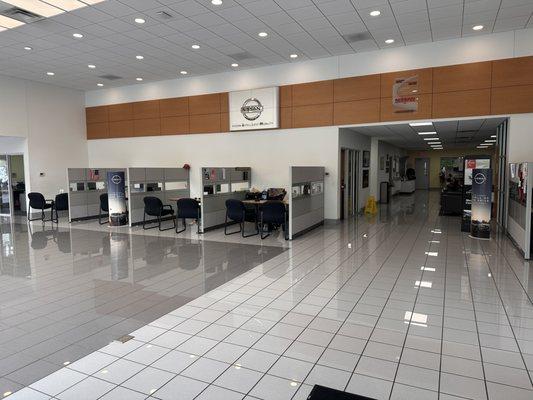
(262, 225)
(252, 234)
(184, 226)
(100, 218)
(226, 227)
(144, 223)
(159, 220)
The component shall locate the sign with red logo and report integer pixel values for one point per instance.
(405, 94)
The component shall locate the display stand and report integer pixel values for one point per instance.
(471, 162)
(519, 210)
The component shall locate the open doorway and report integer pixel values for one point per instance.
(12, 176)
(349, 183)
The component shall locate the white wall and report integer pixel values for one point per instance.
(386, 149)
(447, 52)
(52, 121)
(268, 153)
(519, 139)
(352, 140)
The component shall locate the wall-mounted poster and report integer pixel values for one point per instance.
(381, 163)
(405, 94)
(366, 159)
(366, 178)
(254, 109)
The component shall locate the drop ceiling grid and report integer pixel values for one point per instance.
(311, 28)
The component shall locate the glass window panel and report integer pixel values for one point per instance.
(176, 185)
(240, 186)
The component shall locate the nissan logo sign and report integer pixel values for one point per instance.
(480, 178)
(116, 179)
(252, 109)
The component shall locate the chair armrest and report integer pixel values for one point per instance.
(167, 206)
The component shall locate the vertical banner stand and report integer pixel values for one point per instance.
(116, 190)
(481, 203)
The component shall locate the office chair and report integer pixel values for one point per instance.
(38, 202)
(237, 212)
(153, 207)
(273, 213)
(104, 206)
(187, 208)
(276, 194)
(60, 204)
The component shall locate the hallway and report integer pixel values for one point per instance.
(397, 306)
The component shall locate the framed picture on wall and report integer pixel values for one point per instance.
(366, 159)
(366, 178)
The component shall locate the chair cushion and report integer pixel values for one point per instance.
(166, 211)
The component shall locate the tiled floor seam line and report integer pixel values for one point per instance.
(146, 366)
(485, 257)
(422, 224)
(475, 316)
(287, 312)
(443, 307)
(436, 222)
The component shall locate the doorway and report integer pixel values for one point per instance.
(349, 183)
(5, 191)
(12, 185)
(422, 173)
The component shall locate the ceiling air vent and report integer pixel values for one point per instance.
(21, 15)
(241, 56)
(110, 77)
(164, 15)
(357, 37)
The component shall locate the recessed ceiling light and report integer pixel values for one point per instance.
(195, 46)
(99, 84)
(482, 147)
(234, 65)
(421, 124)
(139, 79)
(477, 27)
(91, 66)
(389, 41)
(294, 56)
(183, 72)
(263, 34)
(8, 393)
(77, 35)
(493, 136)
(140, 20)
(216, 2)
(28, 48)
(431, 138)
(9, 23)
(375, 13)
(490, 141)
(139, 57)
(50, 73)
(427, 133)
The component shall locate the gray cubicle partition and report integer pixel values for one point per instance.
(219, 185)
(306, 203)
(164, 183)
(85, 187)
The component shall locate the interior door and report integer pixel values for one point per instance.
(5, 189)
(422, 173)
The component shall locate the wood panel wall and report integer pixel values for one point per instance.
(476, 89)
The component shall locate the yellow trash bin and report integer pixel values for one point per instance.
(371, 207)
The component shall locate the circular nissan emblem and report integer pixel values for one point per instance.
(480, 178)
(116, 179)
(252, 109)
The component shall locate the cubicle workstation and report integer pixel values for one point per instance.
(306, 203)
(85, 187)
(167, 184)
(520, 206)
(218, 185)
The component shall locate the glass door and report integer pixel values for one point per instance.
(5, 187)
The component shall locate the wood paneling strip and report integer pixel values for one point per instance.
(285, 118)
(358, 88)
(312, 93)
(513, 99)
(356, 112)
(146, 109)
(285, 96)
(175, 107)
(512, 72)
(121, 112)
(461, 104)
(147, 127)
(313, 115)
(423, 112)
(175, 125)
(462, 77)
(204, 104)
(96, 114)
(98, 130)
(121, 129)
(209, 123)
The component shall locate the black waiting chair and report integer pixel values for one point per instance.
(104, 208)
(38, 202)
(276, 194)
(154, 207)
(273, 213)
(237, 212)
(188, 209)
(60, 204)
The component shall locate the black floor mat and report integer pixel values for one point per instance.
(325, 393)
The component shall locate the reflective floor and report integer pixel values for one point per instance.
(397, 306)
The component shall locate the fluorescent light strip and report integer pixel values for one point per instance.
(429, 138)
(67, 5)
(421, 124)
(9, 23)
(36, 7)
(427, 133)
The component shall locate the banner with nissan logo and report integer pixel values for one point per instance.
(254, 109)
(481, 203)
(116, 195)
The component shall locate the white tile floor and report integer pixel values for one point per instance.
(399, 306)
